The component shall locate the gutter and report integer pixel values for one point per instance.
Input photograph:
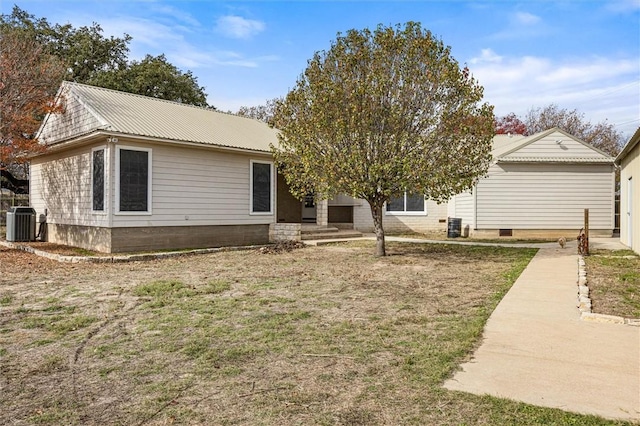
(96, 135)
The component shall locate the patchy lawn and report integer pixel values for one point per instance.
(614, 282)
(322, 335)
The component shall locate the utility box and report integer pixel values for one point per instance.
(21, 224)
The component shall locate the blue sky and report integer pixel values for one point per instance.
(581, 54)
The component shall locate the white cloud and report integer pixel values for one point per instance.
(623, 6)
(526, 18)
(152, 37)
(521, 25)
(601, 88)
(237, 27)
(486, 56)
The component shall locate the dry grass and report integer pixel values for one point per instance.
(322, 335)
(614, 282)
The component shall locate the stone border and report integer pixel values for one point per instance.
(584, 302)
(122, 258)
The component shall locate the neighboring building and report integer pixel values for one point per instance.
(539, 186)
(629, 162)
(125, 172)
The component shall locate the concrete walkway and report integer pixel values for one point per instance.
(537, 350)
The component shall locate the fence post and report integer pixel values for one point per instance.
(586, 231)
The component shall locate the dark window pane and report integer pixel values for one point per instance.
(134, 180)
(98, 180)
(395, 204)
(261, 188)
(415, 202)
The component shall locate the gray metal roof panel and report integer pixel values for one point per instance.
(140, 115)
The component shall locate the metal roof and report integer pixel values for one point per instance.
(631, 143)
(132, 114)
(554, 160)
(506, 147)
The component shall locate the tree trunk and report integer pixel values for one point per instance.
(376, 213)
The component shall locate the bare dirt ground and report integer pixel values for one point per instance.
(322, 335)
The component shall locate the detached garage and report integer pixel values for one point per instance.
(539, 186)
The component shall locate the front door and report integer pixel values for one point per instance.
(309, 209)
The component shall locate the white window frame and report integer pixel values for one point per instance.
(149, 181)
(405, 212)
(271, 188)
(104, 179)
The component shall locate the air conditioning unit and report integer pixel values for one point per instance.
(21, 224)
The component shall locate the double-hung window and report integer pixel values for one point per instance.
(407, 204)
(261, 193)
(133, 180)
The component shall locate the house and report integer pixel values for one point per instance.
(629, 162)
(539, 186)
(125, 172)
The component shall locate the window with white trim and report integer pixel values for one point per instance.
(97, 179)
(261, 192)
(407, 204)
(133, 180)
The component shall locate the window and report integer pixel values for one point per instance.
(97, 179)
(407, 204)
(261, 178)
(133, 176)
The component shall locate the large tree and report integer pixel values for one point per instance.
(602, 135)
(85, 51)
(29, 79)
(510, 124)
(154, 76)
(92, 58)
(264, 112)
(380, 114)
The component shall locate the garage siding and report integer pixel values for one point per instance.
(546, 196)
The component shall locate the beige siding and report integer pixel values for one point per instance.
(555, 145)
(196, 186)
(190, 187)
(77, 120)
(61, 185)
(461, 206)
(630, 223)
(545, 196)
(434, 220)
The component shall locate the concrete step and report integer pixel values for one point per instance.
(313, 229)
(332, 235)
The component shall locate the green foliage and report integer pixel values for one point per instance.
(85, 50)
(264, 112)
(154, 77)
(383, 112)
(91, 58)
